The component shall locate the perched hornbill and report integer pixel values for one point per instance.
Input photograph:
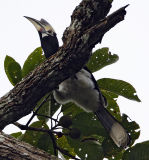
(81, 88)
(47, 36)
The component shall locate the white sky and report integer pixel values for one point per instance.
(129, 40)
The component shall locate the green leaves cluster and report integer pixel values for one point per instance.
(14, 71)
(139, 152)
(101, 58)
(94, 142)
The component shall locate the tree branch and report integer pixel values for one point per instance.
(11, 148)
(89, 24)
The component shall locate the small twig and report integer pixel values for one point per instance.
(34, 113)
(47, 117)
(55, 127)
(89, 139)
(55, 147)
(52, 124)
(54, 143)
(51, 114)
(24, 127)
(58, 114)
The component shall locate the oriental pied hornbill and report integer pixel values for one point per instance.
(81, 88)
(47, 36)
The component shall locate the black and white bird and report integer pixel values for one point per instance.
(47, 36)
(81, 88)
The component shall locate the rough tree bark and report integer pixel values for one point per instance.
(10, 148)
(89, 22)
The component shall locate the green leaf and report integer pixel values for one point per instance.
(132, 128)
(87, 150)
(16, 135)
(118, 87)
(54, 106)
(47, 109)
(112, 107)
(45, 143)
(110, 149)
(12, 70)
(63, 143)
(44, 109)
(110, 1)
(39, 139)
(32, 137)
(88, 124)
(89, 143)
(33, 60)
(7, 61)
(71, 109)
(101, 58)
(138, 152)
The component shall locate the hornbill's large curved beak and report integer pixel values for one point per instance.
(42, 25)
(48, 38)
(36, 23)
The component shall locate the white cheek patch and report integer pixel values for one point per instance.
(44, 35)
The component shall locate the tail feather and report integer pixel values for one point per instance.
(116, 131)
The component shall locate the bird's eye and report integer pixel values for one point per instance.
(51, 33)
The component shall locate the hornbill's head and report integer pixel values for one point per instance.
(48, 38)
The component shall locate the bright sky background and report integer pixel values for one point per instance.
(129, 40)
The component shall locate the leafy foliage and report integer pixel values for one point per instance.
(101, 58)
(71, 109)
(54, 106)
(88, 120)
(132, 127)
(112, 104)
(17, 134)
(93, 138)
(12, 70)
(63, 143)
(87, 149)
(33, 60)
(138, 152)
(44, 110)
(110, 150)
(118, 87)
(39, 139)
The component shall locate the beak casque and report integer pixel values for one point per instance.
(42, 25)
(46, 25)
(36, 23)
